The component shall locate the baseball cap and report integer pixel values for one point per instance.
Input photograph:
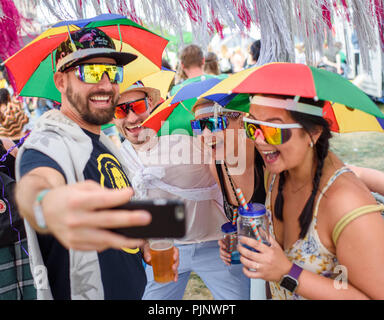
(152, 93)
(89, 43)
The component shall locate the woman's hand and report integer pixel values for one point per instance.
(270, 263)
(224, 254)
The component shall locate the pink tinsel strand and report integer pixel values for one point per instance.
(243, 13)
(344, 3)
(211, 29)
(219, 28)
(217, 24)
(256, 13)
(326, 14)
(121, 6)
(336, 8)
(133, 14)
(10, 26)
(192, 8)
(379, 12)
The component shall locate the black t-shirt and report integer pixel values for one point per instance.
(122, 273)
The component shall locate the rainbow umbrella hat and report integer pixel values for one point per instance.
(32, 67)
(176, 112)
(160, 80)
(294, 79)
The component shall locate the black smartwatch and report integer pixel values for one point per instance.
(290, 280)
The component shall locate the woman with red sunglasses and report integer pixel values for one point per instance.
(326, 227)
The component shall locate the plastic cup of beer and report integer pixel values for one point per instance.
(162, 259)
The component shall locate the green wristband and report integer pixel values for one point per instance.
(38, 210)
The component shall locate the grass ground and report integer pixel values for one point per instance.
(365, 149)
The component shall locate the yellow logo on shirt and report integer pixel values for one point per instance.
(110, 168)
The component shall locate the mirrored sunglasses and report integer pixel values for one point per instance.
(138, 106)
(211, 123)
(93, 73)
(273, 133)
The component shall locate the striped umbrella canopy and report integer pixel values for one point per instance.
(33, 66)
(293, 79)
(160, 80)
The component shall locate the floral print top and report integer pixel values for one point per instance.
(309, 253)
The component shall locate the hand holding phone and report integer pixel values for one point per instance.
(168, 219)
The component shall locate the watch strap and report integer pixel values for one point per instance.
(295, 271)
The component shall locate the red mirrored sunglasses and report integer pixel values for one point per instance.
(138, 106)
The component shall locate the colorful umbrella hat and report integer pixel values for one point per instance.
(295, 79)
(343, 119)
(33, 66)
(160, 80)
(176, 112)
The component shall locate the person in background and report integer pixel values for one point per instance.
(253, 54)
(43, 105)
(300, 53)
(211, 65)
(192, 63)
(12, 117)
(237, 59)
(373, 179)
(16, 281)
(334, 58)
(224, 61)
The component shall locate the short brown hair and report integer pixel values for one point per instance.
(211, 65)
(191, 56)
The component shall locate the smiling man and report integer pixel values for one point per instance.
(66, 170)
(159, 173)
(134, 106)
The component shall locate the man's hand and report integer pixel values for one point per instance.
(78, 216)
(176, 259)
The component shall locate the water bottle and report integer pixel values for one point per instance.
(252, 223)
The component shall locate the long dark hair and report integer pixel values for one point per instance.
(309, 123)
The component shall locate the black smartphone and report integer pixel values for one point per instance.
(168, 219)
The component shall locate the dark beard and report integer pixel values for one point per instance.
(82, 106)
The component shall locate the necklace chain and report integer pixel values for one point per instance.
(231, 182)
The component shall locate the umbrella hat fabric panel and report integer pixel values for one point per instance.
(344, 120)
(37, 58)
(160, 80)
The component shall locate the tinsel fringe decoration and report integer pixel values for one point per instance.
(281, 22)
(10, 26)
